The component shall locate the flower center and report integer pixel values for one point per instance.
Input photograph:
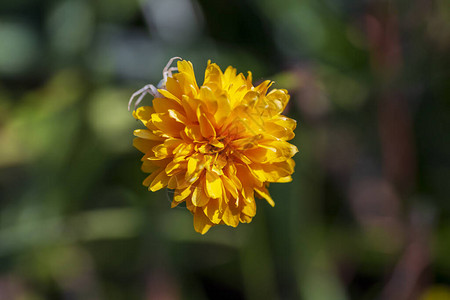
(212, 146)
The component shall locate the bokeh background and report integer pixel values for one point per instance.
(366, 216)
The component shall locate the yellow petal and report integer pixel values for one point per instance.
(212, 211)
(177, 116)
(206, 95)
(249, 208)
(186, 70)
(172, 143)
(284, 179)
(148, 166)
(162, 105)
(201, 222)
(193, 132)
(184, 149)
(186, 78)
(280, 129)
(174, 204)
(159, 182)
(177, 181)
(248, 182)
(160, 151)
(168, 95)
(260, 154)
(172, 90)
(231, 216)
(206, 128)
(272, 172)
(251, 98)
(243, 218)
(249, 79)
(162, 163)
(286, 122)
(213, 76)
(283, 148)
(190, 107)
(143, 145)
(277, 100)
(181, 194)
(173, 167)
(228, 76)
(199, 198)
(192, 164)
(195, 167)
(271, 152)
(147, 135)
(223, 110)
(264, 86)
(213, 185)
(173, 182)
(167, 124)
(143, 113)
(265, 194)
(149, 179)
(230, 187)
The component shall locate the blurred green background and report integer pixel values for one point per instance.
(366, 217)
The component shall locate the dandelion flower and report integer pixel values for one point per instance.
(218, 145)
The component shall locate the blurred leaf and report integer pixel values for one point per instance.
(110, 120)
(345, 92)
(71, 27)
(43, 125)
(19, 48)
(112, 223)
(436, 292)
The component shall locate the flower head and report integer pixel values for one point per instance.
(218, 145)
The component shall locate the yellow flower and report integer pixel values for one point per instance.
(218, 145)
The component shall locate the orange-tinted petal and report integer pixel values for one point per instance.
(201, 222)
